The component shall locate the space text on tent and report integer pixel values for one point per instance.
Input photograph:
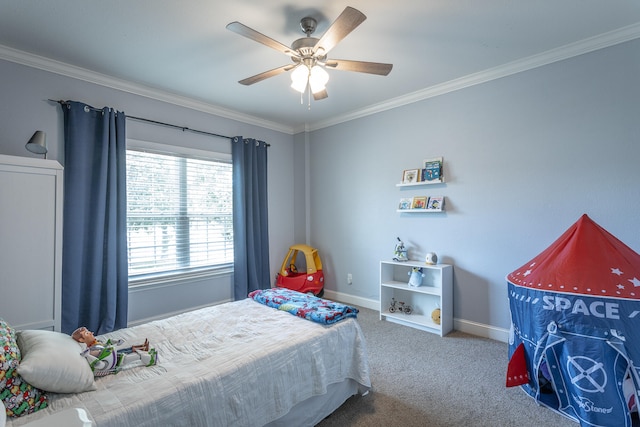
(602, 309)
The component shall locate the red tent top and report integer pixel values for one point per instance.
(586, 259)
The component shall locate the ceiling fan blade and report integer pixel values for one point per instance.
(320, 95)
(252, 34)
(265, 75)
(360, 66)
(348, 20)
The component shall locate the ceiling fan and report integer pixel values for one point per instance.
(309, 54)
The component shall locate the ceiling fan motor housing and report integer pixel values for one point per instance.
(308, 25)
(304, 46)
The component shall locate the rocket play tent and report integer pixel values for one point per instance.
(574, 343)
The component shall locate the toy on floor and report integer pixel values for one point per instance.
(105, 358)
(309, 281)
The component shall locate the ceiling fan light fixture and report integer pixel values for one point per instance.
(309, 52)
(299, 78)
(318, 79)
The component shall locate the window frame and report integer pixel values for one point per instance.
(169, 278)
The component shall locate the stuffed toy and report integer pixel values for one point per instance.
(106, 358)
(435, 316)
(415, 276)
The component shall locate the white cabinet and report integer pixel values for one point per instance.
(436, 291)
(30, 242)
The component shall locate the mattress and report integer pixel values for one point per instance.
(236, 364)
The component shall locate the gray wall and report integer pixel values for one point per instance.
(25, 109)
(525, 157)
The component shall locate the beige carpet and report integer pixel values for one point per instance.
(421, 379)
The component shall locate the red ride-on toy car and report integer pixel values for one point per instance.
(290, 277)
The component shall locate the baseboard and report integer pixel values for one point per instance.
(466, 326)
(481, 330)
(352, 299)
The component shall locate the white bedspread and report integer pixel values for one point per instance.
(236, 364)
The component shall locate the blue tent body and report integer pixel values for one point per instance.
(575, 311)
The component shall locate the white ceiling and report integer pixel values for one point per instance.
(181, 49)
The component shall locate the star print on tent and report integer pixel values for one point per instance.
(575, 323)
(586, 259)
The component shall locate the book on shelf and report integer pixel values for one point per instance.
(419, 202)
(410, 176)
(432, 170)
(436, 203)
(405, 203)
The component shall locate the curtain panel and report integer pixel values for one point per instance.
(94, 264)
(250, 216)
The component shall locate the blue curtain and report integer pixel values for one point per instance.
(94, 247)
(250, 216)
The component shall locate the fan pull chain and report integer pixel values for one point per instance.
(308, 92)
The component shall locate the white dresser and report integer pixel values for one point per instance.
(30, 242)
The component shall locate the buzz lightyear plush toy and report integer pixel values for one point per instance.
(109, 357)
(415, 276)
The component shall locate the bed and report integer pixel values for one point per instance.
(235, 364)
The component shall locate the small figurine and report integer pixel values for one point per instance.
(415, 276)
(431, 258)
(400, 307)
(105, 358)
(400, 252)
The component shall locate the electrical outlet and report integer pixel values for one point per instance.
(349, 279)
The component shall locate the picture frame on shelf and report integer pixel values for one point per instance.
(405, 203)
(410, 176)
(432, 170)
(419, 202)
(436, 203)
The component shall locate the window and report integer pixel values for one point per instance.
(179, 213)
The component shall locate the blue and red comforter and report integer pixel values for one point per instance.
(304, 305)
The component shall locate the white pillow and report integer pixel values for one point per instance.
(3, 415)
(52, 362)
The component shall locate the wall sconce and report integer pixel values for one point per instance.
(38, 143)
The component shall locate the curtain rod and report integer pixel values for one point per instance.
(155, 122)
(183, 128)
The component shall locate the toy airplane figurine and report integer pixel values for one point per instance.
(400, 252)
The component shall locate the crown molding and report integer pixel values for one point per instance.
(571, 50)
(57, 67)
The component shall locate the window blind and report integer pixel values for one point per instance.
(179, 213)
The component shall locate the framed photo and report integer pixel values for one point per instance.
(419, 202)
(405, 203)
(410, 176)
(436, 203)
